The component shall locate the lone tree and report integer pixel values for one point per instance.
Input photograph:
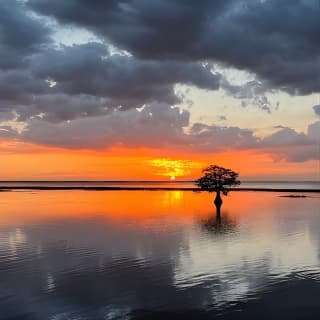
(217, 179)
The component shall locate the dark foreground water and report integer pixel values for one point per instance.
(158, 255)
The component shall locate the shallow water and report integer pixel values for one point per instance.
(158, 255)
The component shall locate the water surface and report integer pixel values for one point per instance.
(158, 255)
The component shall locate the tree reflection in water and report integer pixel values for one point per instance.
(218, 223)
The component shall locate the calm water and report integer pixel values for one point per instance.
(158, 255)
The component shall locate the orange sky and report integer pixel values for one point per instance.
(22, 161)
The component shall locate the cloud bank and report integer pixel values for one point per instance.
(278, 41)
(120, 88)
(164, 127)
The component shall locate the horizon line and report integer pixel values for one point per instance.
(153, 181)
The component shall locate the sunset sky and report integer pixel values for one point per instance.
(153, 89)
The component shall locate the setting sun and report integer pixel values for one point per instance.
(172, 178)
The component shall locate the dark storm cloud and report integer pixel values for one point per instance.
(58, 107)
(168, 40)
(20, 34)
(277, 40)
(19, 87)
(157, 28)
(39, 79)
(86, 80)
(128, 81)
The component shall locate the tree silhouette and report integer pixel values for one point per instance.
(217, 179)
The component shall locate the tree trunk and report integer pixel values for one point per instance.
(218, 201)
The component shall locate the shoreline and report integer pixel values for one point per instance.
(66, 188)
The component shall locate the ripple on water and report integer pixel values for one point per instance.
(105, 259)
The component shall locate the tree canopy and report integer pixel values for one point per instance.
(217, 178)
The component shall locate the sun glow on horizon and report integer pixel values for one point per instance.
(174, 168)
(36, 162)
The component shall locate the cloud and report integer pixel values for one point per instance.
(90, 74)
(293, 146)
(317, 110)
(285, 137)
(251, 92)
(159, 126)
(58, 107)
(128, 81)
(222, 118)
(157, 29)
(90, 96)
(279, 41)
(314, 132)
(210, 138)
(19, 87)
(168, 42)
(57, 83)
(20, 34)
(155, 126)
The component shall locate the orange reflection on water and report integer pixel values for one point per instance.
(137, 206)
(39, 206)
